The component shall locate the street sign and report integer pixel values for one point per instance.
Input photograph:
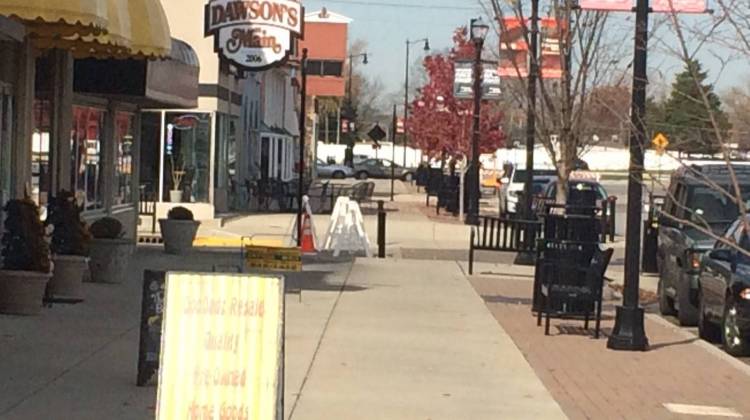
(660, 142)
(222, 347)
(463, 83)
(377, 133)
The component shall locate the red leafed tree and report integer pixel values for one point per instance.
(441, 125)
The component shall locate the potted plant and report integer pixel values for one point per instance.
(178, 173)
(178, 230)
(70, 242)
(109, 253)
(26, 262)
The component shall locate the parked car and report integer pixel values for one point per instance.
(381, 168)
(577, 188)
(333, 170)
(681, 245)
(513, 185)
(724, 292)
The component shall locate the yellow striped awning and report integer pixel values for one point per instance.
(55, 18)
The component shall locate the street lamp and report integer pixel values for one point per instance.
(406, 84)
(351, 69)
(478, 31)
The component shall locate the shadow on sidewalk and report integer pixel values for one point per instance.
(658, 346)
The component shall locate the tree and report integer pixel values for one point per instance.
(686, 120)
(439, 124)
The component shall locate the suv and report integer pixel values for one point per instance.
(692, 198)
(513, 185)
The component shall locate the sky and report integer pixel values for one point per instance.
(386, 24)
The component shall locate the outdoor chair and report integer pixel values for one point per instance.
(566, 284)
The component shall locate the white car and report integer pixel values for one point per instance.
(512, 186)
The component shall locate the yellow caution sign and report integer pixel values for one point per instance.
(221, 347)
(273, 258)
(660, 143)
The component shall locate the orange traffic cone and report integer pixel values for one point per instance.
(308, 240)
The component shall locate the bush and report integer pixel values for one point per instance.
(24, 247)
(71, 236)
(107, 228)
(180, 213)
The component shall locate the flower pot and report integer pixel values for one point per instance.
(109, 259)
(178, 235)
(67, 277)
(21, 292)
(175, 196)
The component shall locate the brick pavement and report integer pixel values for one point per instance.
(591, 382)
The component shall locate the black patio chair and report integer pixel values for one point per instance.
(565, 283)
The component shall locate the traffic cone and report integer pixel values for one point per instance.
(308, 240)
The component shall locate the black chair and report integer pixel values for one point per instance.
(561, 284)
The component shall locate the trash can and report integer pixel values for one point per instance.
(650, 246)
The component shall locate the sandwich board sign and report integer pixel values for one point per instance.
(222, 347)
(254, 35)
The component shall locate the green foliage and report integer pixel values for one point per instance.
(180, 213)
(684, 116)
(71, 236)
(24, 247)
(107, 228)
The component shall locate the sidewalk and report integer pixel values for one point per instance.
(417, 343)
(591, 382)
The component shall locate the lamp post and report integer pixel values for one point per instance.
(302, 135)
(351, 69)
(479, 31)
(528, 187)
(406, 84)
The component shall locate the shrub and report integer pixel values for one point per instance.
(180, 213)
(71, 236)
(107, 228)
(24, 246)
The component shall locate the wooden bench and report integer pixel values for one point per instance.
(503, 235)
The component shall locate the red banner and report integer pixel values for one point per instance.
(514, 51)
(679, 6)
(610, 5)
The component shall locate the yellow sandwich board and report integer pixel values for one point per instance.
(273, 258)
(222, 343)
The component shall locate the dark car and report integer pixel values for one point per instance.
(381, 168)
(692, 199)
(724, 292)
(578, 191)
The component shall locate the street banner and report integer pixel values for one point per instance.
(463, 84)
(607, 5)
(222, 347)
(514, 50)
(254, 35)
(679, 6)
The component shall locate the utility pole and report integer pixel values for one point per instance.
(629, 332)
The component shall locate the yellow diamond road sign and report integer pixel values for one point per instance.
(660, 141)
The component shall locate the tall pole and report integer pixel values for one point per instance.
(349, 88)
(406, 98)
(528, 187)
(394, 129)
(302, 135)
(629, 333)
(472, 216)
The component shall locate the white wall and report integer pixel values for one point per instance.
(338, 152)
(598, 158)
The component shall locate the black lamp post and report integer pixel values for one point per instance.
(302, 135)
(406, 84)
(351, 69)
(479, 31)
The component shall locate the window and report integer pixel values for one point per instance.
(325, 68)
(86, 165)
(40, 153)
(187, 157)
(124, 142)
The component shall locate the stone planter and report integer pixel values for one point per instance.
(175, 196)
(178, 235)
(109, 259)
(67, 277)
(22, 292)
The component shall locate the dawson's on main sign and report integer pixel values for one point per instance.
(256, 34)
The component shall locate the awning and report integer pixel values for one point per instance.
(56, 18)
(150, 27)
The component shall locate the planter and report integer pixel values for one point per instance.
(67, 278)
(21, 292)
(178, 235)
(109, 259)
(175, 196)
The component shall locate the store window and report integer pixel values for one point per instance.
(86, 152)
(41, 178)
(226, 146)
(187, 157)
(124, 141)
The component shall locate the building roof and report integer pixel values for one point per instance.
(325, 16)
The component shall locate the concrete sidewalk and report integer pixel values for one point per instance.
(417, 343)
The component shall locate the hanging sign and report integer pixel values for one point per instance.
(254, 35)
(463, 83)
(222, 347)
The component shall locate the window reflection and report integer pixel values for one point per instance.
(85, 145)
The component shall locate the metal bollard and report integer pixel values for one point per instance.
(381, 230)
